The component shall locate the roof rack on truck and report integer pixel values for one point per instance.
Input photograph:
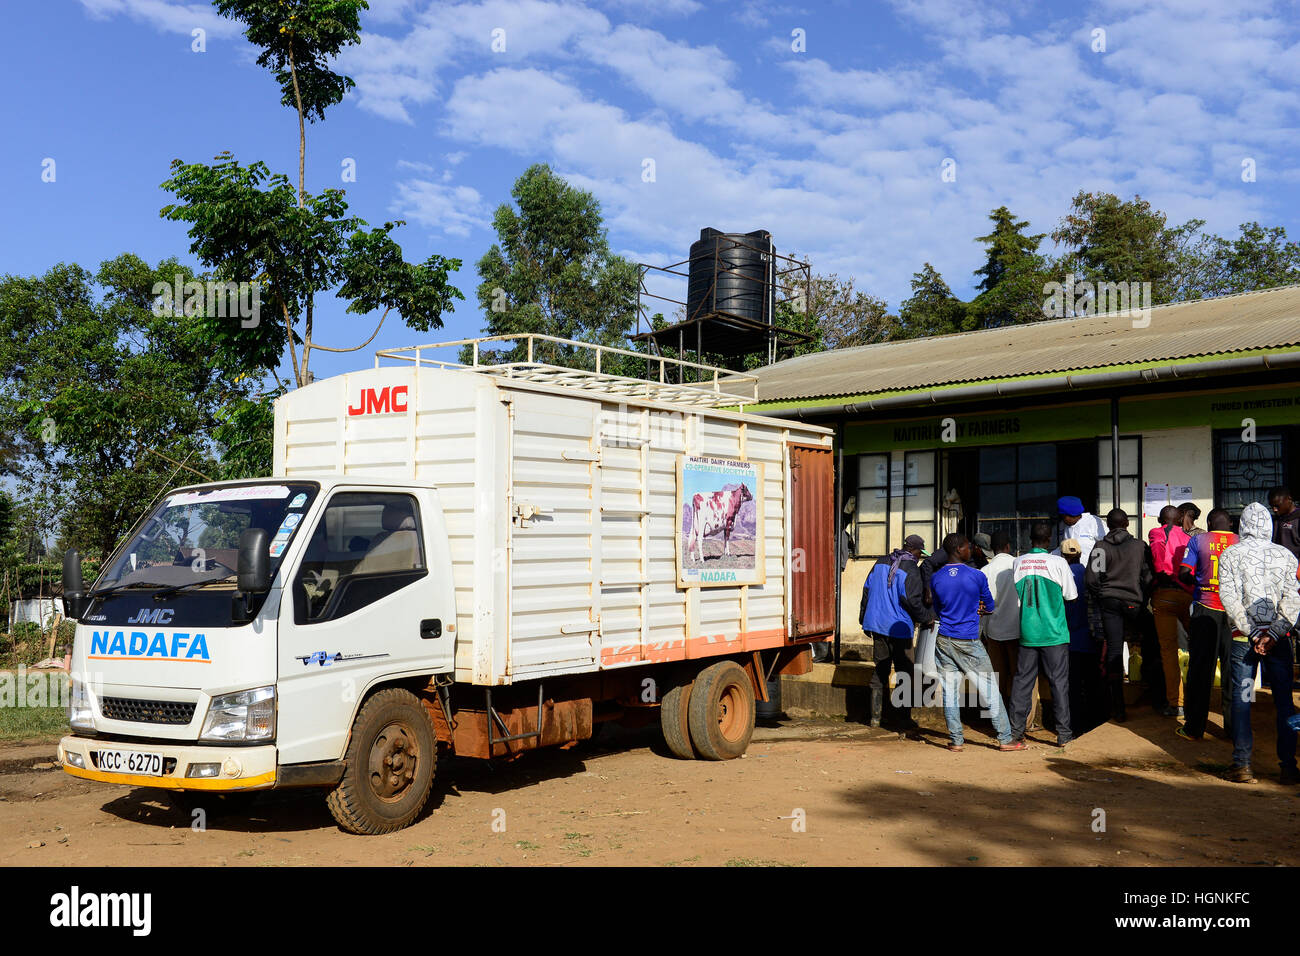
(588, 369)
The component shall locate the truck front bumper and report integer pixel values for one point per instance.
(240, 768)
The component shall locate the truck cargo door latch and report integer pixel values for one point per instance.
(430, 628)
(523, 512)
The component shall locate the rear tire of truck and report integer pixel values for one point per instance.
(722, 711)
(674, 719)
(388, 767)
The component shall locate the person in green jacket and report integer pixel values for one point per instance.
(1044, 583)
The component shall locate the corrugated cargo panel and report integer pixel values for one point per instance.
(590, 580)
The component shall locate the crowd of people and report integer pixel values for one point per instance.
(1061, 613)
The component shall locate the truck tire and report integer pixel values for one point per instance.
(675, 721)
(388, 767)
(721, 711)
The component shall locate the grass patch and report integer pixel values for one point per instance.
(33, 723)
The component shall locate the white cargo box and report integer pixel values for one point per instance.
(559, 493)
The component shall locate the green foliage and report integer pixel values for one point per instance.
(298, 39)
(102, 398)
(1107, 239)
(1013, 274)
(551, 271)
(25, 632)
(245, 431)
(246, 225)
(932, 309)
(1260, 257)
(839, 316)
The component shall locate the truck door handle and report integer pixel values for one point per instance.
(430, 628)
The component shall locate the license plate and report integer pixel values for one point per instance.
(131, 761)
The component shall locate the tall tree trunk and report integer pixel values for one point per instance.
(302, 132)
(306, 343)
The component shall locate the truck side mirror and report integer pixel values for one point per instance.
(252, 574)
(75, 600)
(254, 566)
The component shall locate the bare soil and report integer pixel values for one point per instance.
(741, 557)
(863, 797)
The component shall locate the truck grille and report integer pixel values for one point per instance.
(147, 711)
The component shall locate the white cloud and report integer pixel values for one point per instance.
(667, 8)
(393, 74)
(168, 17)
(841, 161)
(453, 210)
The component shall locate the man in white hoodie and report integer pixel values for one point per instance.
(1257, 584)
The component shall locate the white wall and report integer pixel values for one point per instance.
(34, 610)
(1180, 456)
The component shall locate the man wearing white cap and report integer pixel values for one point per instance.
(1078, 524)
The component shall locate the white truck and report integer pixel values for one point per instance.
(481, 557)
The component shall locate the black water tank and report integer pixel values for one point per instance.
(739, 262)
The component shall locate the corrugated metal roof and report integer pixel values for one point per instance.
(1185, 330)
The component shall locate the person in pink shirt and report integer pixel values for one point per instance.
(1172, 600)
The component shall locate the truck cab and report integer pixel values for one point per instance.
(189, 673)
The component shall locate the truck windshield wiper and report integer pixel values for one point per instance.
(158, 596)
(103, 592)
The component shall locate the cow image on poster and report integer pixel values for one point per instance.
(713, 513)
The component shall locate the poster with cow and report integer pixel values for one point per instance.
(720, 512)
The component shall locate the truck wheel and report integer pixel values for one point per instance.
(674, 719)
(722, 711)
(388, 767)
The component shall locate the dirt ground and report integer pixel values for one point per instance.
(863, 797)
(741, 557)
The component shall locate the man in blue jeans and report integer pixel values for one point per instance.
(1257, 584)
(961, 594)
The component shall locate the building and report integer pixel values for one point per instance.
(981, 431)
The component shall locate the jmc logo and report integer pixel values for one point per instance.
(388, 399)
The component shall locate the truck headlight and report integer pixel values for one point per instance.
(80, 714)
(246, 715)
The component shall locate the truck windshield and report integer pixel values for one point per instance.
(192, 537)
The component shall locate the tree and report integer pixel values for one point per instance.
(551, 271)
(932, 309)
(106, 400)
(842, 316)
(1013, 274)
(1260, 257)
(250, 226)
(298, 38)
(247, 227)
(1107, 239)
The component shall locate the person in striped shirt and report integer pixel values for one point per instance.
(1044, 583)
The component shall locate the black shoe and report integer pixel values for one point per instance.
(1289, 776)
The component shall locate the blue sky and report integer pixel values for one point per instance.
(836, 149)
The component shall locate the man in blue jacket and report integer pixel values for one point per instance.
(889, 612)
(961, 595)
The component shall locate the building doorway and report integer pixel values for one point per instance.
(1010, 487)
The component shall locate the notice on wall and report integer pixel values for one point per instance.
(896, 479)
(1155, 496)
(1180, 493)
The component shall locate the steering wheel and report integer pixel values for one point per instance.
(319, 594)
